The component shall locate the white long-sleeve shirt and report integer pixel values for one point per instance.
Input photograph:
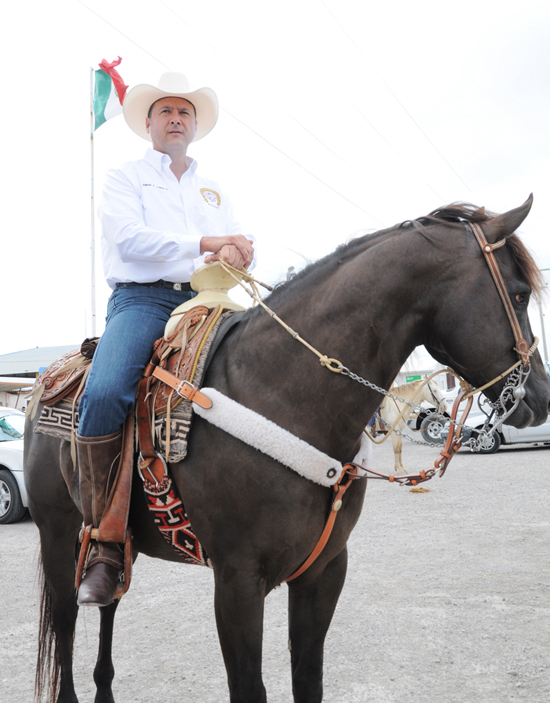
(152, 224)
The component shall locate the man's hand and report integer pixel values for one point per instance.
(235, 249)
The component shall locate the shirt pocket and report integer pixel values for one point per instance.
(214, 220)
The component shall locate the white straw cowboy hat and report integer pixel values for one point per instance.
(139, 99)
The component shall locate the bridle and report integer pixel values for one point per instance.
(522, 346)
(518, 373)
(514, 388)
(435, 400)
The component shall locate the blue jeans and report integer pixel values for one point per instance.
(136, 317)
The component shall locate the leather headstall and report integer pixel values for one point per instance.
(522, 346)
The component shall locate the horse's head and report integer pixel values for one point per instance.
(470, 330)
(432, 394)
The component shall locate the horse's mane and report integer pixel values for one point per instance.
(456, 213)
(466, 212)
(410, 384)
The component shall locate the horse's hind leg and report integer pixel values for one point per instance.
(59, 608)
(311, 607)
(58, 521)
(104, 671)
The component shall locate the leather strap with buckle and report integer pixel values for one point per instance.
(183, 388)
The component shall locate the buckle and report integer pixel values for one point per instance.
(141, 468)
(182, 394)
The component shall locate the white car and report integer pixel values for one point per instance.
(13, 494)
(507, 434)
(435, 428)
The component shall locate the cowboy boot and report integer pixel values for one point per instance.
(98, 461)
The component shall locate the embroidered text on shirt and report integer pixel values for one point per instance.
(154, 185)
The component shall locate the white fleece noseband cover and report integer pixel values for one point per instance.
(264, 435)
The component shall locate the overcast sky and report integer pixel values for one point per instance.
(337, 116)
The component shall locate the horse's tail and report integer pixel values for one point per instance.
(48, 666)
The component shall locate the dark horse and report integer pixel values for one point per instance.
(369, 304)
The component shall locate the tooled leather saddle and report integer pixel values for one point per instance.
(169, 374)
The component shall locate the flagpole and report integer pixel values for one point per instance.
(92, 246)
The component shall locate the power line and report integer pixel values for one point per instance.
(394, 95)
(338, 157)
(124, 35)
(399, 154)
(351, 202)
(300, 166)
(193, 29)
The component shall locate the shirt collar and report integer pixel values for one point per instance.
(160, 160)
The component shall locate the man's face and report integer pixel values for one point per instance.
(172, 124)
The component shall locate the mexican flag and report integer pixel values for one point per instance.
(109, 92)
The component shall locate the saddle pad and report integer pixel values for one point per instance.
(58, 420)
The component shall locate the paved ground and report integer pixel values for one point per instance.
(447, 599)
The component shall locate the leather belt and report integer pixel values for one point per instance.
(157, 284)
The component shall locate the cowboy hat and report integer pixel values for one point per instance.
(139, 99)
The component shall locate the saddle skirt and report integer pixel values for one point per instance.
(65, 377)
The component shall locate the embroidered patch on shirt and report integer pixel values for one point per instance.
(211, 197)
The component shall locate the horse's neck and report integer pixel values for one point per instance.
(367, 321)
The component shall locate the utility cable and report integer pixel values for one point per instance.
(351, 202)
(124, 35)
(398, 154)
(350, 38)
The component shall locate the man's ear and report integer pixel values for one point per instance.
(147, 123)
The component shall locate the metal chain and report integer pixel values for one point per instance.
(403, 434)
(346, 372)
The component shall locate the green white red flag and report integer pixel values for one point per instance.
(109, 92)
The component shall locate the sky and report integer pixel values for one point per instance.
(337, 116)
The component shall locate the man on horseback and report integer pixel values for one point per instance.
(160, 221)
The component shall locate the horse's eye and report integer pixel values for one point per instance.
(521, 298)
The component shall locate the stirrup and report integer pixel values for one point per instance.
(86, 535)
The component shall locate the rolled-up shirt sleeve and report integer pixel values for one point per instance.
(122, 219)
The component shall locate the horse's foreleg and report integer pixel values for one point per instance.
(104, 671)
(239, 602)
(311, 607)
(397, 443)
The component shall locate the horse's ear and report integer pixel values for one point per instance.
(503, 225)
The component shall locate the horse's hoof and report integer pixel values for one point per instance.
(98, 587)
